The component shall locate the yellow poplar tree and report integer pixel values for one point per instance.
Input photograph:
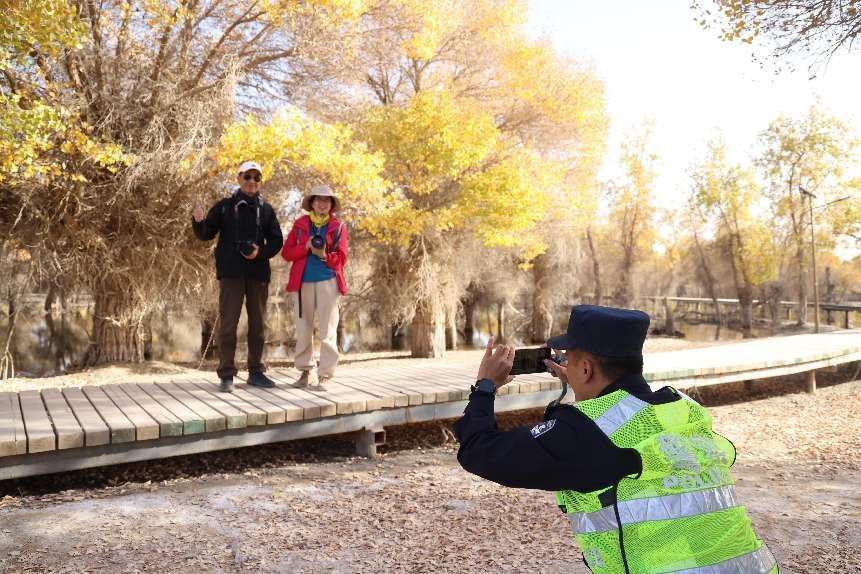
(474, 146)
(729, 193)
(102, 101)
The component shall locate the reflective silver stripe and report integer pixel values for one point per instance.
(620, 413)
(656, 508)
(760, 561)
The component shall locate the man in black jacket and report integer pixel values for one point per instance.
(249, 235)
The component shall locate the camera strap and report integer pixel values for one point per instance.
(257, 216)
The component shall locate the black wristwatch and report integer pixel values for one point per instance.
(484, 386)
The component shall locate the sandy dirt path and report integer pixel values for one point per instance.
(415, 510)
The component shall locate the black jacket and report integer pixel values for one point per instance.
(569, 453)
(233, 219)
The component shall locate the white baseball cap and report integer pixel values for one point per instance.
(248, 165)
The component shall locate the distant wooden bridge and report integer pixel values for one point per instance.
(57, 430)
(830, 309)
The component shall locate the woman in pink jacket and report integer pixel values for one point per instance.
(317, 248)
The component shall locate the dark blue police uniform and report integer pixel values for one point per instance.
(567, 451)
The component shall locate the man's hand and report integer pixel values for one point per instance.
(253, 253)
(557, 370)
(496, 364)
(198, 214)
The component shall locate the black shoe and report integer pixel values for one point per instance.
(226, 385)
(260, 380)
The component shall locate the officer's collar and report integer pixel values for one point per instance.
(633, 383)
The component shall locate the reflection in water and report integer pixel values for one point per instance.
(49, 343)
(709, 332)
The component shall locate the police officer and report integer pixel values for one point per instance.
(643, 479)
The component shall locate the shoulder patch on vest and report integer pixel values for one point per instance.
(542, 428)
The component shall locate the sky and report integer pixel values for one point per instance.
(657, 62)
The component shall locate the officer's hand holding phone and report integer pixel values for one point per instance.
(557, 370)
(496, 364)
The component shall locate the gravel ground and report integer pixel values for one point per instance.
(309, 507)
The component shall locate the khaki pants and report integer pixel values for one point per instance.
(322, 299)
(232, 293)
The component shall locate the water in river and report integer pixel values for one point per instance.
(49, 343)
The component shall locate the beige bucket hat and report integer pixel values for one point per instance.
(321, 191)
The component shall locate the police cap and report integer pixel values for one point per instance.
(604, 331)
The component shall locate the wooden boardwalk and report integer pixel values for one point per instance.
(56, 430)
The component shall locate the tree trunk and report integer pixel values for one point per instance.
(147, 338)
(830, 287)
(500, 323)
(397, 337)
(208, 337)
(708, 279)
(427, 331)
(745, 300)
(468, 320)
(117, 327)
(596, 269)
(451, 328)
(624, 292)
(542, 299)
(802, 285)
(340, 333)
(669, 319)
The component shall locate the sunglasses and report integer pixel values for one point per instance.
(249, 177)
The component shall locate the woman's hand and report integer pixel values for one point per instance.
(321, 253)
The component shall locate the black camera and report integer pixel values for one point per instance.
(245, 247)
(317, 242)
(528, 361)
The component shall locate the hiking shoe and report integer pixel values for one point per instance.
(308, 379)
(226, 385)
(260, 380)
(302, 381)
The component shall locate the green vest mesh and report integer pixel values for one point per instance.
(681, 513)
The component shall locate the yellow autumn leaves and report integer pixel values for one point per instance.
(433, 165)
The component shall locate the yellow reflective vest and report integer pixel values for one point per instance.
(681, 513)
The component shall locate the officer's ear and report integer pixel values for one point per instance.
(580, 364)
(587, 364)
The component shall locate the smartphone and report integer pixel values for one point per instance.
(530, 361)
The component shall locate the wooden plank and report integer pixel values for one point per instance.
(417, 381)
(121, 428)
(236, 419)
(324, 407)
(384, 399)
(431, 377)
(213, 420)
(146, 428)
(37, 423)
(275, 415)
(414, 397)
(292, 411)
(318, 404)
(349, 398)
(394, 379)
(69, 432)
(310, 409)
(96, 432)
(254, 415)
(168, 423)
(192, 423)
(344, 405)
(13, 437)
